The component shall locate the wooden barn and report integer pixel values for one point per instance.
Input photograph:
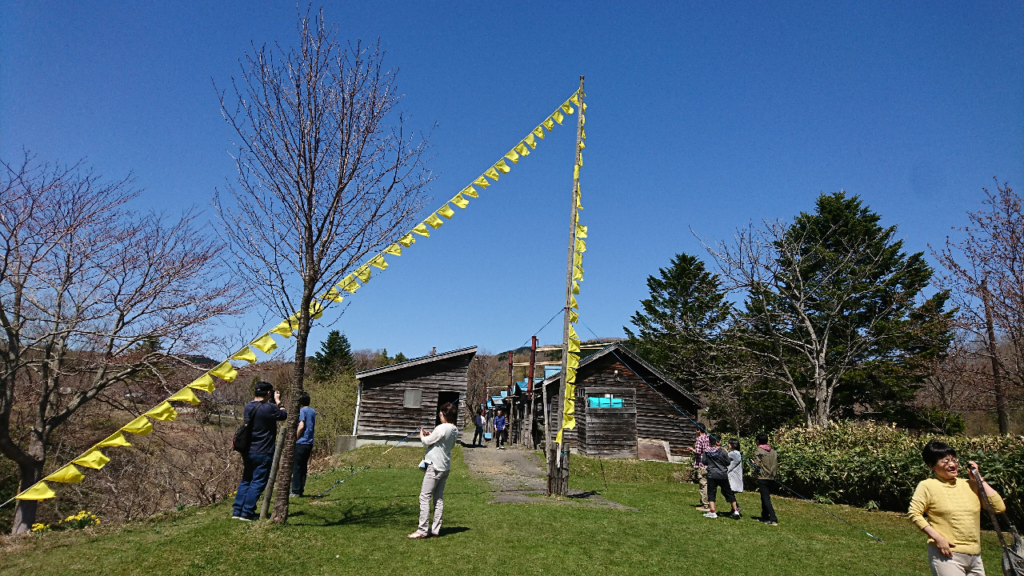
(397, 399)
(618, 414)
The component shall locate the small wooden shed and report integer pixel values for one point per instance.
(621, 409)
(397, 399)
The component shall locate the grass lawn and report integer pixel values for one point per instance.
(361, 526)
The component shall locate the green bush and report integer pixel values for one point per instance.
(334, 400)
(867, 464)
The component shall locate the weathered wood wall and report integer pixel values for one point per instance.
(655, 418)
(606, 432)
(381, 411)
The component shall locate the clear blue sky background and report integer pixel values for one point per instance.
(703, 115)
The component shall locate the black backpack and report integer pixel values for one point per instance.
(243, 436)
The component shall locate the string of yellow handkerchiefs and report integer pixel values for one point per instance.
(579, 247)
(95, 459)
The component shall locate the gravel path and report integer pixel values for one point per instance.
(518, 476)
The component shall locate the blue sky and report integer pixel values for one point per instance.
(701, 115)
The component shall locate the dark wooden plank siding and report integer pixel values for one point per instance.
(607, 432)
(381, 410)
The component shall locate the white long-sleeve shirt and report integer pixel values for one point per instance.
(736, 471)
(439, 446)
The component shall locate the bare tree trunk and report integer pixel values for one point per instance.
(997, 382)
(269, 493)
(284, 476)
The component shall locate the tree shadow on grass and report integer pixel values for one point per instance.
(355, 513)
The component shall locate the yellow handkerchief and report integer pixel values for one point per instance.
(446, 211)
(93, 459)
(140, 426)
(434, 221)
(245, 354)
(184, 395)
(38, 492)
(68, 474)
(163, 411)
(205, 382)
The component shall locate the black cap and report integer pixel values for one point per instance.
(264, 388)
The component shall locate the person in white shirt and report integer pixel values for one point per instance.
(735, 466)
(436, 464)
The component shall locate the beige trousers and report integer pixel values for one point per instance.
(958, 565)
(702, 481)
(432, 493)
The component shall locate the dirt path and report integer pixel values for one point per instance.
(518, 476)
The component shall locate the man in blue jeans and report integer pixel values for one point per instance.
(265, 415)
(303, 446)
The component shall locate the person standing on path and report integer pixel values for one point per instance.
(303, 446)
(479, 422)
(953, 508)
(499, 429)
(766, 463)
(700, 471)
(264, 415)
(717, 462)
(439, 445)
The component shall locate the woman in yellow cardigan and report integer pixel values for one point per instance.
(953, 511)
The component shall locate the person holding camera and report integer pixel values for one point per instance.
(264, 414)
(435, 466)
(953, 510)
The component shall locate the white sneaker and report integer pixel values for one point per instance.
(710, 515)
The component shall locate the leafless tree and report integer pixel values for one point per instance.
(985, 273)
(326, 177)
(819, 302)
(92, 295)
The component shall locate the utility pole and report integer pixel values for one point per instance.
(528, 441)
(510, 403)
(558, 465)
(997, 380)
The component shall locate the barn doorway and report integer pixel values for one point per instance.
(443, 397)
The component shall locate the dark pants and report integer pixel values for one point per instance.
(767, 510)
(255, 471)
(478, 436)
(502, 436)
(299, 467)
(714, 484)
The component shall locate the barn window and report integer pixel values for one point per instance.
(605, 401)
(413, 398)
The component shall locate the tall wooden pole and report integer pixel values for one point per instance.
(528, 441)
(558, 479)
(997, 381)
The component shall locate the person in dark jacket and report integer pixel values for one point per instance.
(766, 464)
(479, 421)
(264, 414)
(717, 462)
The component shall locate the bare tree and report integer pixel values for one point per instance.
(824, 295)
(986, 277)
(324, 180)
(91, 295)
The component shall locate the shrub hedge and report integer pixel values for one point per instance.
(869, 464)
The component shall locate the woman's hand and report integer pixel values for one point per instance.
(944, 546)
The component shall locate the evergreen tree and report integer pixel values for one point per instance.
(686, 313)
(334, 357)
